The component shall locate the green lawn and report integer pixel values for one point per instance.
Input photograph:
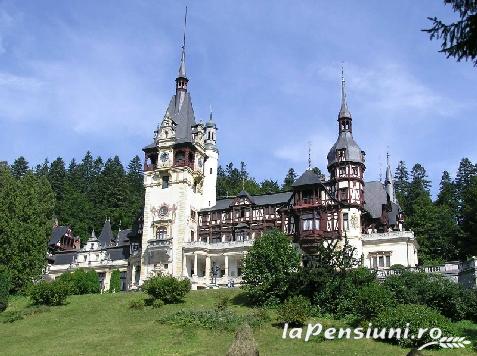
(103, 324)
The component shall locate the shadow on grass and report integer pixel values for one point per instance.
(242, 299)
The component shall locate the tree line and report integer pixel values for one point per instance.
(446, 228)
(91, 190)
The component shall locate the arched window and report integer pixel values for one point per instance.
(179, 157)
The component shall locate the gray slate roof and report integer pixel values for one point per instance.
(64, 258)
(123, 237)
(345, 141)
(106, 235)
(57, 233)
(307, 178)
(375, 196)
(181, 111)
(264, 199)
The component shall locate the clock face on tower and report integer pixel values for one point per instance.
(164, 156)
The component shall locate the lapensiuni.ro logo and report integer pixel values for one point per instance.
(305, 333)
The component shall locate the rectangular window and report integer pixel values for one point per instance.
(210, 170)
(345, 222)
(388, 261)
(192, 235)
(161, 233)
(375, 262)
(192, 215)
(165, 182)
(307, 224)
(381, 261)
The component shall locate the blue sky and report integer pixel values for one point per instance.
(97, 75)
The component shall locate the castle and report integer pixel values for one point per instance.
(186, 231)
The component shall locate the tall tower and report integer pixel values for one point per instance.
(211, 163)
(175, 179)
(346, 168)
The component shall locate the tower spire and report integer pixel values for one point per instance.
(182, 67)
(344, 112)
(388, 182)
(309, 155)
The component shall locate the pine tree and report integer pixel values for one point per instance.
(269, 186)
(19, 167)
(25, 213)
(401, 183)
(289, 180)
(465, 172)
(135, 182)
(42, 169)
(469, 219)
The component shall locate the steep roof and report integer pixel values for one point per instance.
(56, 234)
(123, 237)
(375, 196)
(181, 111)
(307, 178)
(106, 235)
(352, 151)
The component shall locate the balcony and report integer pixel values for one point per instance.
(159, 243)
(307, 202)
(392, 235)
(218, 245)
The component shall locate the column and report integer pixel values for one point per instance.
(207, 268)
(133, 275)
(184, 266)
(195, 264)
(226, 265)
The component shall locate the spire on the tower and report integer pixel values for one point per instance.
(182, 67)
(309, 155)
(388, 182)
(344, 112)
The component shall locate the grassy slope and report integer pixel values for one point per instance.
(103, 324)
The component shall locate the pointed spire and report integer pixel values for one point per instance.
(182, 67)
(210, 115)
(309, 155)
(388, 182)
(344, 112)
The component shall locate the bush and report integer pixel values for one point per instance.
(417, 316)
(115, 281)
(157, 303)
(367, 302)
(214, 319)
(295, 310)
(49, 293)
(451, 299)
(268, 266)
(5, 286)
(167, 288)
(222, 301)
(337, 290)
(81, 282)
(137, 304)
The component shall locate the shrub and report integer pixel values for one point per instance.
(451, 299)
(268, 266)
(295, 310)
(214, 319)
(368, 301)
(137, 304)
(222, 301)
(115, 281)
(81, 281)
(49, 293)
(244, 343)
(167, 288)
(157, 303)
(4, 288)
(417, 316)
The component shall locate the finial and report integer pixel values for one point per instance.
(243, 183)
(182, 70)
(309, 155)
(387, 158)
(344, 112)
(210, 109)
